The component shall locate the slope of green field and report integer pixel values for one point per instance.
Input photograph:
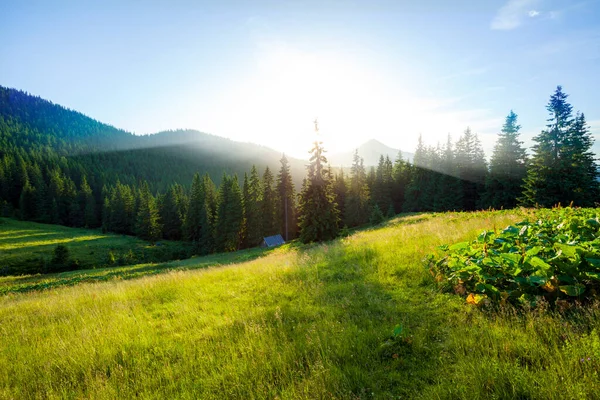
(26, 247)
(359, 317)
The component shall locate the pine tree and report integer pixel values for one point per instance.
(508, 167)
(449, 187)
(382, 189)
(88, 204)
(171, 213)
(420, 191)
(376, 216)
(358, 196)
(55, 192)
(40, 193)
(340, 189)
(581, 165)
(72, 212)
(252, 195)
(27, 205)
(562, 168)
(401, 178)
(230, 215)
(208, 216)
(318, 211)
(147, 224)
(192, 224)
(121, 217)
(472, 169)
(268, 205)
(286, 207)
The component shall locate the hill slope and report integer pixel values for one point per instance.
(27, 248)
(355, 318)
(29, 123)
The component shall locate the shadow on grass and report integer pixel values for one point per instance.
(70, 278)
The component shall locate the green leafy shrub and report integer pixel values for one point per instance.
(376, 216)
(60, 255)
(556, 258)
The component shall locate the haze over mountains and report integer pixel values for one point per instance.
(370, 152)
(161, 158)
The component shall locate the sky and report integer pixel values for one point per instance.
(262, 71)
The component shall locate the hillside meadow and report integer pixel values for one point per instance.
(26, 247)
(359, 317)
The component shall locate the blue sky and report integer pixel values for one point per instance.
(261, 71)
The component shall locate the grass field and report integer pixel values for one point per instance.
(359, 317)
(26, 247)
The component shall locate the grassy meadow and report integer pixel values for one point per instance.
(26, 247)
(359, 317)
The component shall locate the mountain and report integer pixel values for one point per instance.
(39, 129)
(370, 152)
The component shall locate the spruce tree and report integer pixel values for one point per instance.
(382, 189)
(147, 224)
(358, 196)
(401, 178)
(171, 213)
(252, 213)
(449, 187)
(27, 205)
(87, 203)
(508, 167)
(340, 189)
(192, 224)
(420, 191)
(472, 169)
(562, 168)
(268, 205)
(286, 208)
(580, 164)
(230, 215)
(318, 211)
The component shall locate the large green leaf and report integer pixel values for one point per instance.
(572, 290)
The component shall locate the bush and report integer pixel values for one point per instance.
(377, 216)
(556, 257)
(60, 255)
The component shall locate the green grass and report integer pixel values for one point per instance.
(298, 322)
(26, 247)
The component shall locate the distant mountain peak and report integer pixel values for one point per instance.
(370, 151)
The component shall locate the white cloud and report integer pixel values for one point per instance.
(513, 13)
(534, 13)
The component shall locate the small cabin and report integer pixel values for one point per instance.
(272, 241)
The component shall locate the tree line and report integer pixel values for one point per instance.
(39, 185)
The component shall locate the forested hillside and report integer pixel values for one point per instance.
(58, 166)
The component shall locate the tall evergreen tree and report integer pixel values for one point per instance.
(27, 205)
(382, 189)
(472, 169)
(147, 223)
(340, 189)
(192, 224)
(252, 194)
(401, 178)
(420, 191)
(449, 188)
(268, 205)
(318, 211)
(230, 215)
(562, 168)
(286, 207)
(508, 167)
(171, 213)
(580, 164)
(87, 203)
(357, 199)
